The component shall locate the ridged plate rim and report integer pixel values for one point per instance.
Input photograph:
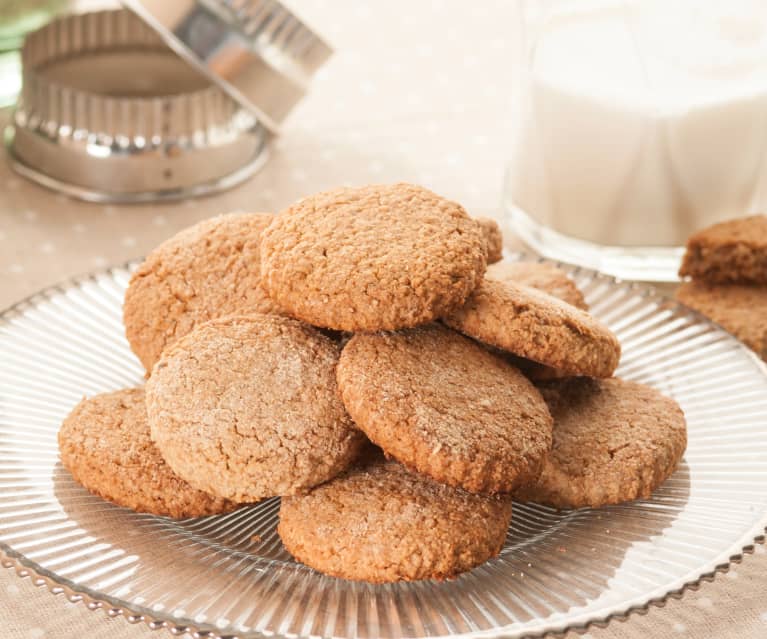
(134, 614)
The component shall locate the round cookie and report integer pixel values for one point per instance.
(378, 522)
(105, 444)
(206, 271)
(446, 407)
(537, 326)
(549, 279)
(614, 441)
(493, 238)
(542, 276)
(248, 407)
(372, 258)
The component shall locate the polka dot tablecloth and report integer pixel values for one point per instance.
(417, 91)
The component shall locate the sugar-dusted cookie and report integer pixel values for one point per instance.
(734, 251)
(740, 309)
(614, 441)
(248, 407)
(105, 444)
(537, 326)
(493, 238)
(372, 258)
(542, 276)
(444, 406)
(206, 271)
(379, 522)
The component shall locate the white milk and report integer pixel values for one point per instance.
(644, 121)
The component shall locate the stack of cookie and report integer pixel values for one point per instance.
(727, 264)
(356, 356)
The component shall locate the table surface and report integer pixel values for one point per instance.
(417, 91)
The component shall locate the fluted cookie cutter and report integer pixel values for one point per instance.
(166, 100)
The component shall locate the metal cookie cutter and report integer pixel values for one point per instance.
(111, 109)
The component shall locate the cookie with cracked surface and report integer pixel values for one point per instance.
(493, 238)
(379, 522)
(731, 252)
(206, 271)
(248, 407)
(105, 445)
(549, 279)
(614, 441)
(373, 258)
(531, 324)
(446, 407)
(740, 309)
(542, 276)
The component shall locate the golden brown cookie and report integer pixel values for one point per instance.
(537, 326)
(372, 258)
(378, 522)
(542, 276)
(206, 271)
(740, 309)
(493, 238)
(614, 441)
(734, 251)
(248, 407)
(549, 279)
(105, 444)
(444, 406)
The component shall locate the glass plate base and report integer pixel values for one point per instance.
(229, 576)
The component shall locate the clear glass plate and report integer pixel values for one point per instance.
(230, 575)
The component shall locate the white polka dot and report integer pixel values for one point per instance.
(159, 220)
(128, 241)
(424, 51)
(453, 159)
(12, 589)
(78, 228)
(47, 248)
(680, 627)
(16, 269)
(732, 574)
(109, 210)
(30, 215)
(367, 87)
(704, 602)
(35, 633)
(414, 99)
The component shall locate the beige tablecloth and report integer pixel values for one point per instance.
(418, 91)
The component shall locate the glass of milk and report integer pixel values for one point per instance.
(636, 123)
